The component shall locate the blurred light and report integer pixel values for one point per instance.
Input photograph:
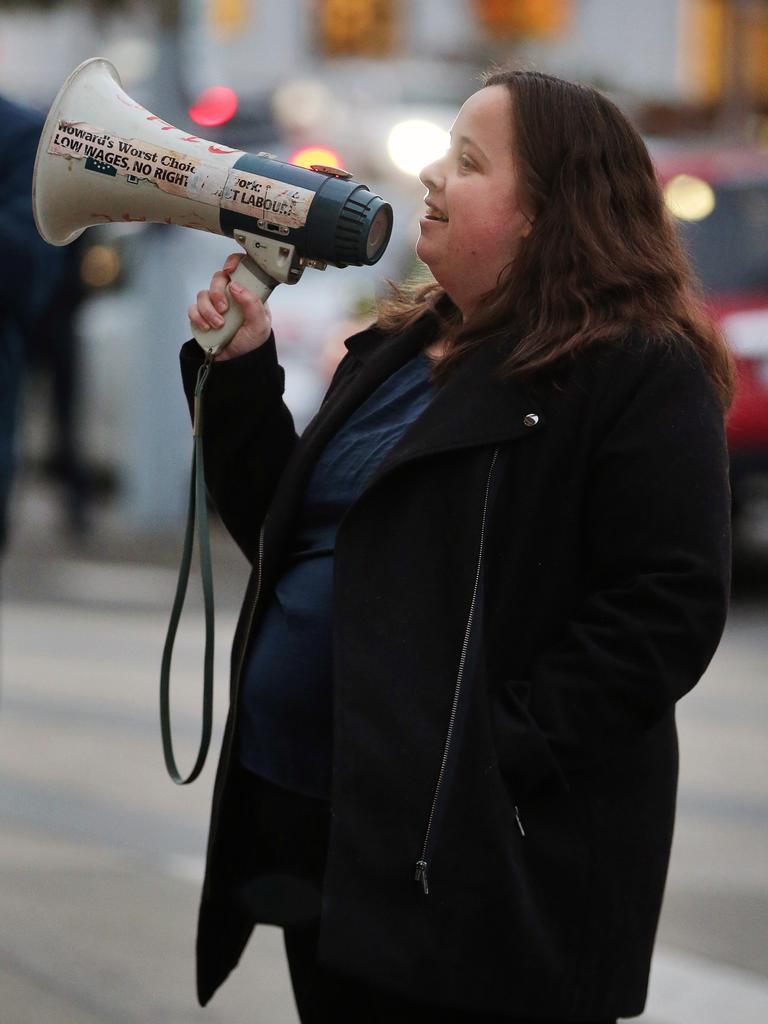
(214, 106)
(689, 198)
(228, 16)
(414, 144)
(136, 58)
(302, 105)
(523, 17)
(308, 155)
(358, 28)
(100, 266)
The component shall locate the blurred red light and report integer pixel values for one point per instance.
(308, 155)
(214, 106)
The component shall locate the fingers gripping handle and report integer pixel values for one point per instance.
(250, 276)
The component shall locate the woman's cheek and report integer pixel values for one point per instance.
(486, 241)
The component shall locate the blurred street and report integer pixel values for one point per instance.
(101, 857)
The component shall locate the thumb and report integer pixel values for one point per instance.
(248, 301)
(245, 298)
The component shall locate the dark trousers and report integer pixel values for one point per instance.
(292, 833)
(327, 997)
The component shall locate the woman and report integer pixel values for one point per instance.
(482, 578)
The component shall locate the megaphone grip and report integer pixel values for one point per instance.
(250, 276)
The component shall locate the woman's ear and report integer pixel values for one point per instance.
(528, 226)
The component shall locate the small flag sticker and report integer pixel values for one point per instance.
(100, 167)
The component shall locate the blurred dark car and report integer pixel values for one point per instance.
(720, 199)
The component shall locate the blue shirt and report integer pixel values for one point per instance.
(286, 709)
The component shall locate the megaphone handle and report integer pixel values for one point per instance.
(250, 275)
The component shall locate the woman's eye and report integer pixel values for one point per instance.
(465, 162)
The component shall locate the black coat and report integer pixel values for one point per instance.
(527, 585)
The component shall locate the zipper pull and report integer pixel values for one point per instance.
(421, 875)
(519, 823)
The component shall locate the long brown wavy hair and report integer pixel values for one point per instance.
(603, 257)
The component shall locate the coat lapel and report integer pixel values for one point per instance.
(474, 407)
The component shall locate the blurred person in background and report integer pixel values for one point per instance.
(39, 295)
(54, 353)
(23, 260)
(482, 578)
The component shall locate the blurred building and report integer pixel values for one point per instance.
(695, 52)
(339, 74)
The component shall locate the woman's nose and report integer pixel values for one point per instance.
(431, 176)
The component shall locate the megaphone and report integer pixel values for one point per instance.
(104, 158)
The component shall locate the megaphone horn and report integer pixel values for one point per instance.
(104, 158)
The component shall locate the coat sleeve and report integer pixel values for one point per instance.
(658, 555)
(248, 435)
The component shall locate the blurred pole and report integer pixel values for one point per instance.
(156, 433)
(736, 103)
(200, 60)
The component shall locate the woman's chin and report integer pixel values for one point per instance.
(426, 256)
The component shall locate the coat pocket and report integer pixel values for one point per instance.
(550, 813)
(524, 756)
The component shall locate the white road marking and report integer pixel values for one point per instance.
(184, 867)
(689, 989)
(102, 581)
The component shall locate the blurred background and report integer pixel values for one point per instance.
(101, 856)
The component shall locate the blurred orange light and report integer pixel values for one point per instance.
(214, 106)
(505, 19)
(308, 155)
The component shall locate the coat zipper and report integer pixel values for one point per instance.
(422, 863)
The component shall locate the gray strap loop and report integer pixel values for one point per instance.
(197, 517)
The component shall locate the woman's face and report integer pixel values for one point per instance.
(473, 223)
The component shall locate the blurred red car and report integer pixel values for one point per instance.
(720, 199)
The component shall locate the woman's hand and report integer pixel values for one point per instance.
(206, 312)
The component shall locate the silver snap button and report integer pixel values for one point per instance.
(531, 419)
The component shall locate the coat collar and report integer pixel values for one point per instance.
(473, 408)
